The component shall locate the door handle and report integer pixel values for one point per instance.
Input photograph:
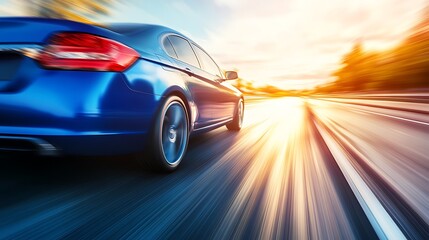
(189, 71)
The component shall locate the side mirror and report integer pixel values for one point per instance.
(231, 75)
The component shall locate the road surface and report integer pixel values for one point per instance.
(301, 168)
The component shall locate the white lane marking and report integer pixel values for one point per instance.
(381, 221)
(399, 118)
(381, 114)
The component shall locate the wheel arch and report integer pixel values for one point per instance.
(241, 97)
(187, 100)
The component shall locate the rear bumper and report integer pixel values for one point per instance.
(27, 145)
(82, 145)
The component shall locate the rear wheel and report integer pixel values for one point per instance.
(237, 121)
(170, 136)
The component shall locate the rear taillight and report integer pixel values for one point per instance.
(83, 51)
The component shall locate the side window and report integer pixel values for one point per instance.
(184, 50)
(169, 48)
(207, 62)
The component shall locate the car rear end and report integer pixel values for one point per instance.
(64, 89)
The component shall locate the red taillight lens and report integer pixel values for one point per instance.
(83, 51)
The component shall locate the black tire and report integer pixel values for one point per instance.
(170, 136)
(237, 121)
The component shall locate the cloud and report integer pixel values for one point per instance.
(267, 39)
(230, 3)
(11, 8)
(182, 7)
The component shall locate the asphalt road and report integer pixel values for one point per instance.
(301, 168)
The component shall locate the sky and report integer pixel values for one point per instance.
(293, 44)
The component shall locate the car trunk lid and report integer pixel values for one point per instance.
(38, 30)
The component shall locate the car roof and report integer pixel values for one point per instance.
(129, 29)
(142, 31)
(147, 34)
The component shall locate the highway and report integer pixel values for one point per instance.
(301, 168)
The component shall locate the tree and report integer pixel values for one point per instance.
(404, 67)
(351, 76)
(77, 10)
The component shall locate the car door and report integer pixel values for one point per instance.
(201, 90)
(225, 100)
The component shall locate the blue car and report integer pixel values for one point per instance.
(78, 89)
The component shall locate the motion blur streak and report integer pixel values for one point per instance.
(275, 179)
(288, 182)
(393, 156)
